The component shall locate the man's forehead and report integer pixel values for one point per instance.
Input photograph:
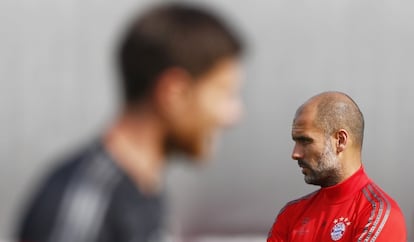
(304, 115)
(304, 120)
(300, 126)
(305, 129)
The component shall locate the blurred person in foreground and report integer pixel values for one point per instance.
(328, 133)
(180, 70)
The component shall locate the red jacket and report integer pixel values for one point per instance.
(354, 210)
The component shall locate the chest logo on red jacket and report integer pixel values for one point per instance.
(339, 228)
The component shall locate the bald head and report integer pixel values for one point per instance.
(333, 111)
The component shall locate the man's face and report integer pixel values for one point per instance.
(314, 151)
(214, 103)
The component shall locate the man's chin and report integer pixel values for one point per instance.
(198, 151)
(197, 155)
(204, 151)
(307, 181)
(311, 181)
(202, 155)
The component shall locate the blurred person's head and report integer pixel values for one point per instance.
(328, 133)
(182, 64)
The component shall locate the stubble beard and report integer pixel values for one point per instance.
(327, 173)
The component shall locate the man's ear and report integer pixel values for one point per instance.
(172, 89)
(342, 139)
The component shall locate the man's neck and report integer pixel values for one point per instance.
(136, 143)
(350, 165)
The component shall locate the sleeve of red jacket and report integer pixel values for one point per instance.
(279, 230)
(381, 223)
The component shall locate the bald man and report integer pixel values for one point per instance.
(328, 133)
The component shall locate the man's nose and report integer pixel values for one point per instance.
(232, 112)
(297, 152)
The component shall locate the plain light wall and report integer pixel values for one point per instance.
(58, 91)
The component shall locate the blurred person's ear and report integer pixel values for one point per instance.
(173, 92)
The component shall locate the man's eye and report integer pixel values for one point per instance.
(305, 141)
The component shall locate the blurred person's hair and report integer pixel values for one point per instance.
(167, 36)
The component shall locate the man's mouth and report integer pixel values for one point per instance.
(302, 164)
